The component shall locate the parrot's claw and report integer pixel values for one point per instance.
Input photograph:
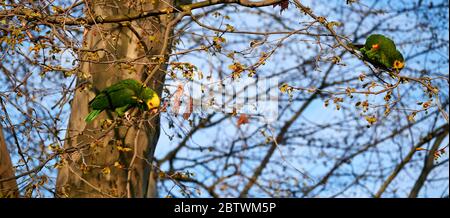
(154, 111)
(127, 117)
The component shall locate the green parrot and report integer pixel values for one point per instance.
(381, 52)
(123, 96)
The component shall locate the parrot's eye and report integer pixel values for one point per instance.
(375, 46)
(153, 103)
(398, 64)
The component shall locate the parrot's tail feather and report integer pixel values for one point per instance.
(91, 116)
(355, 46)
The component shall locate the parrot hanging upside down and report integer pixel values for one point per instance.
(382, 53)
(123, 96)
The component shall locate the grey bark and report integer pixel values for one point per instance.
(8, 188)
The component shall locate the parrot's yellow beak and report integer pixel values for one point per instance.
(398, 64)
(153, 103)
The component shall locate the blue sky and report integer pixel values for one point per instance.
(315, 112)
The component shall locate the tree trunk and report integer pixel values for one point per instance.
(100, 168)
(7, 188)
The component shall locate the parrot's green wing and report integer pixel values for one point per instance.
(379, 50)
(119, 97)
(130, 84)
(384, 42)
(114, 98)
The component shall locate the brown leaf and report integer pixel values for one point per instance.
(188, 113)
(243, 119)
(283, 4)
(177, 99)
